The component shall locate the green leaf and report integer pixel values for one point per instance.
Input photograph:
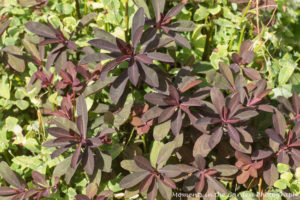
(161, 130)
(286, 71)
(201, 13)
(32, 162)
(281, 184)
(4, 87)
(22, 104)
(282, 167)
(287, 176)
(215, 9)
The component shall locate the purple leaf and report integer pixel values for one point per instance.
(152, 191)
(215, 138)
(174, 11)
(261, 154)
(224, 69)
(251, 73)
(40, 29)
(75, 156)
(103, 44)
(118, 87)
(82, 111)
(133, 179)
(143, 163)
(7, 191)
(10, 176)
(217, 99)
(133, 73)
(156, 99)
(138, 22)
(176, 123)
(166, 114)
(58, 132)
(179, 39)
(270, 174)
(160, 57)
(145, 184)
(88, 161)
(39, 178)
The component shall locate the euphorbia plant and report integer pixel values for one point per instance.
(138, 60)
(77, 135)
(229, 114)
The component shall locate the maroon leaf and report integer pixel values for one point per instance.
(168, 182)
(215, 138)
(75, 156)
(160, 57)
(176, 123)
(103, 44)
(174, 11)
(133, 73)
(133, 179)
(40, 29)
(166, 114)
(156, 99)
(81, 197)
(251, 73)
(39, 178)
(81, 109)
(200, 184)
(270, 174)
(143, 163)
(145, 184)
(10, 176)
(58, 132)
(7, 191)
(118, 87)
(233, 133)
(137, 26)
(261, 154)
(217, 99)
(88, 161)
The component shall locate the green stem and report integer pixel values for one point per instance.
(131, 135)
(77, 5)
(209, 38)
(246, 11)
(241, 38)
(126, 22)
(144, 143)
(85, 7)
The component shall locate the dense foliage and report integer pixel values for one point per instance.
(149, 99)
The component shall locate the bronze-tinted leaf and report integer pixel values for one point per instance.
(133, 179)
(270, 174)
(118, 87)
(10, 176)
(133, 73)
(225, 169)
(40, 29)
(143, 163)
(174, 11)
(218, 99)
(104, 44)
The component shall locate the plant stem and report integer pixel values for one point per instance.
(78, 9)
(144, 143)
(259, 188)
(241, 37)
(245, 12)
(209, 38)
(126, 22)
(131, 134)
